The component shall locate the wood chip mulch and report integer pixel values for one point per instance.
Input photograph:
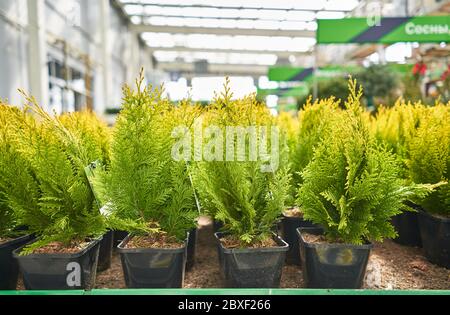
(391, 266)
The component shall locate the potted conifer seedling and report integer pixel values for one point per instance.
(393, 127)
(13, 169)
(351, 188)
(94, 135)
(314, 119)
(429, 161)
(149, 192)
(248, 193)
(56, 204)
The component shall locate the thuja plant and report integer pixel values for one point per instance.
(95, 136)
(148, 191)
(15, 172)
(429, 158)
(314, 120)
(243, 174)
(352, 186)
(289, 125)
(394, 127)
(49, 193)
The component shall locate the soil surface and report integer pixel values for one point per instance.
(313, 238)
(153, 241)
(60, 248)
(231, 242)
(391, 266)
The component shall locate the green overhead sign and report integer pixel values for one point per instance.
(297, 74)
(297, 91)
(287, 73)
(423, 29)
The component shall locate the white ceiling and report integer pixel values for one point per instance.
(263, 27)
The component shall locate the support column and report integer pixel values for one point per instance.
(106, 56)
(37, 52)
(315, 72)
(381, 53)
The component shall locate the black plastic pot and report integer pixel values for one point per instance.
(9, 268)
(105, 252)
(288, 231)
(252, 267)
(60, 271)
(191, 245)
(119, 236)
(153, 267)
(334, 266)
(435, 233)
(407, 226)
(217, 226)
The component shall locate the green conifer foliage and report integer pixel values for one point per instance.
(429, 157)
(352, 186)
(15, 172)
(247, 200)
(49, 192)
(394, 127)
(94, 134)
(314, 120)
(147, 190)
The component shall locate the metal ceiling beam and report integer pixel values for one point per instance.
(141, 28)
(214, 69)
(146, 16)
(281, 54)
(209, 6)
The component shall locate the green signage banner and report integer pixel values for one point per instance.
(290, 74)
(422, 29)
(287, 73)
(297, 91)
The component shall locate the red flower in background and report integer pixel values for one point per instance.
(419, 69)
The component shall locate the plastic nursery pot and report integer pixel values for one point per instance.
(191, 245)
(252, 267)
(288, 231)
(105, 251)
(217, 225)
(435, 233)
(119, 236)
(9, 268)
(60, 271)
(153, 267)
(407, 226)
(334, 266)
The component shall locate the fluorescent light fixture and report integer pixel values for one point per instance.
(330, 15)
(240, 42)
(216, 58)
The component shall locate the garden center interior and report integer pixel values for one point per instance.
(77, 55)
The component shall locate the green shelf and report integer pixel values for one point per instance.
(230, 292)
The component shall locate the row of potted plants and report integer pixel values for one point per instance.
(334, 177)
(420, 138)
(46, 197)
(349, 187)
